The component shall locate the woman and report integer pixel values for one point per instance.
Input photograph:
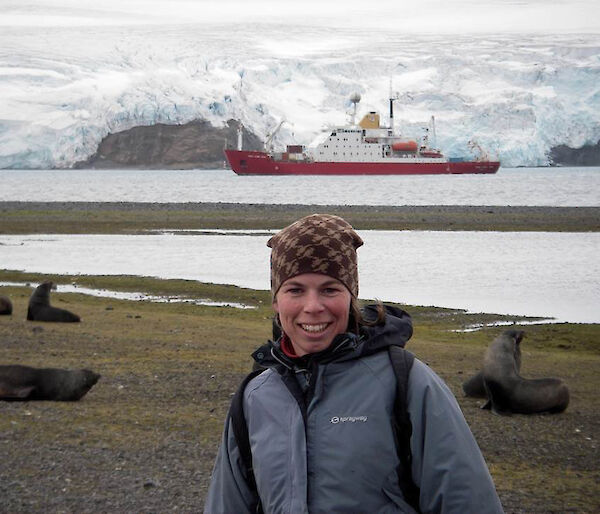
(320, 418)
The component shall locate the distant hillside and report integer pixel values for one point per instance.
(198, 144)
(194, 145)
(587, 155)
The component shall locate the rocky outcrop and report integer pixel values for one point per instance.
(587, 155)
(194, 145)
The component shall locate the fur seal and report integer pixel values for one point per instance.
(40, 309)
(6, 306)
(474, 387)
(507, 391)
(24, 383)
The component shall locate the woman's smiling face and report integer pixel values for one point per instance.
(313, 309)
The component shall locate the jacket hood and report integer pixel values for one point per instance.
(395, 331)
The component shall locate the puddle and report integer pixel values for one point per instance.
(211, 232)
(479, 326)
(138, 297)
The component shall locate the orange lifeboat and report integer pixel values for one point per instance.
(404, 146)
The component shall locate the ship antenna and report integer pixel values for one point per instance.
(355, 99)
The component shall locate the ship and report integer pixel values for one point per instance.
(366, 148)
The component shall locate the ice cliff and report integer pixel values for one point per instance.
(63, 90)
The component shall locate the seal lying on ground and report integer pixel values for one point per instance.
(25, 383)
(6, 306)
(41, 310)
(507, 391)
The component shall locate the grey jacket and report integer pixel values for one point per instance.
(322, 439)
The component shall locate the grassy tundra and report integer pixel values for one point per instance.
(145, 437)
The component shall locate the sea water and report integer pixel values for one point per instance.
(575, 187)
(517, 273)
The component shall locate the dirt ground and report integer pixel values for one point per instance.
(145, 437)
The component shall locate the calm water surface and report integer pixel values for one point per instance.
(510, 186)
(536, 274)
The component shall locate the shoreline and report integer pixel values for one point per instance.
(138, 217)
(125, 288)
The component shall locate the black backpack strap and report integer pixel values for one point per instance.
(402, 361)
(240, 432)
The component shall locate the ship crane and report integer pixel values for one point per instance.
(269, 140)
(476, 147)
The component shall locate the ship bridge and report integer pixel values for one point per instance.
(346, 145)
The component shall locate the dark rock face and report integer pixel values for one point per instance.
(194, 145)
(587, 155)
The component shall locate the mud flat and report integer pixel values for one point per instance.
(124, 217)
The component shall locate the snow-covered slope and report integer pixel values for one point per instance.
(62, 89)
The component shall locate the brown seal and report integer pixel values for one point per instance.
(25, 383)
(474, 386)
(507, 391)
(40, 309)
(6, 306)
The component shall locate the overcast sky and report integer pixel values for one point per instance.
(423, 16)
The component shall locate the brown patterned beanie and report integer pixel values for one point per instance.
(319, 243)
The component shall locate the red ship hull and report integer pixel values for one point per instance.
(261, 163)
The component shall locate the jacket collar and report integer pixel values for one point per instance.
(396, 330)
(271, 354)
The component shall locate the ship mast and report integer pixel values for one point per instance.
(355, 99)
(391, 109)
(240, 130)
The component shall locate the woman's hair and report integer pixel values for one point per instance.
(357, 320)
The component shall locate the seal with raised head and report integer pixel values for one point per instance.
(475, 387)
(507, 391)
(40, 309)
(6, 306)
(24, 383)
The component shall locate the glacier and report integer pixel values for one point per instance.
(64, 88)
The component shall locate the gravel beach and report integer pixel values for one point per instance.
(124, 217)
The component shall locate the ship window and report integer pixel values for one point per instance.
(243, 162)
